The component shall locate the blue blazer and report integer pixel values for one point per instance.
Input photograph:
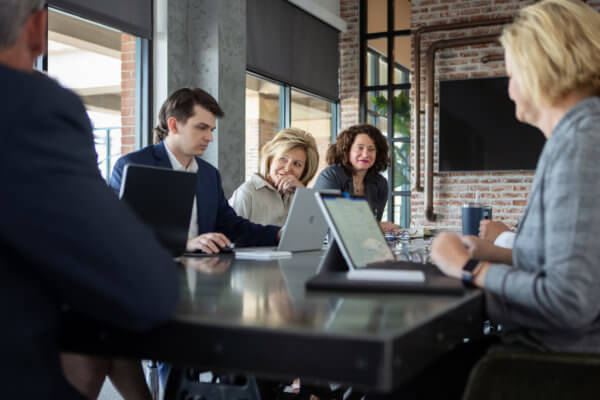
(66, 242)
(214, 212)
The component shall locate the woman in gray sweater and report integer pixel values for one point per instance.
(545, 292)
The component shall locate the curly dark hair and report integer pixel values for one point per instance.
(339, 152)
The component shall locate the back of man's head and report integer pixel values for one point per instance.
(13, 14)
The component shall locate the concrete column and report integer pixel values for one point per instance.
(205, 46)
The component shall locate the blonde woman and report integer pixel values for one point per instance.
(287, 161)
(546, 288)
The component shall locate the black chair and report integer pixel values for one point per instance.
(183, 384)
(525, 375)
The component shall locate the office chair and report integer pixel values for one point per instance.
(183, 384)
(525, 375)
(153, 379)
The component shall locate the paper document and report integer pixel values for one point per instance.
(261, 254)
(386, 275)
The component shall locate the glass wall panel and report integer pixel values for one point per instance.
(401, 108)
(262, 118)
(401, 162)
(402, 59)
(376, 73)
(313, 115)
(99, 64)
(402, 211)
(377, 109)
(377, 16)
(401, 14)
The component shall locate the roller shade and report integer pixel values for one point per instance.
(131, 16)
(288, 44)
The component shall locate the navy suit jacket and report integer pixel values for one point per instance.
(66, 242)
(214, 212)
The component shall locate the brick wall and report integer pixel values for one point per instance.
(505, 192)
(349, 64)
(127, 93)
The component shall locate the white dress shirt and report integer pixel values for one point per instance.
(192, 167)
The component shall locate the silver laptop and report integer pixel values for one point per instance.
(305, 228)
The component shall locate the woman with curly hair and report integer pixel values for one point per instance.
(287, 161)
(355, 161)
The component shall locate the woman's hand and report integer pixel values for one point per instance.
(287, 183)
(486, 251)
(490, 230)
(449, 253)
(389, 227)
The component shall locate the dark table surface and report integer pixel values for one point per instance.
(256, 317)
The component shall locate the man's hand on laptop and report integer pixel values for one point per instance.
(210, 243)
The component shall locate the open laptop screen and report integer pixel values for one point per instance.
(356, 230)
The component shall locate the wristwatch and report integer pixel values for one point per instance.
(468, 273)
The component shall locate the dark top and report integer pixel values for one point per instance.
(66, 242)
(376, 187)
(214, 212)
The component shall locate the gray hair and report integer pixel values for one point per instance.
(13, 14)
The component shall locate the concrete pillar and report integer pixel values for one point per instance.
(202, 43)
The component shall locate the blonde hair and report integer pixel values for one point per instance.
(555, 46)
(286, 140)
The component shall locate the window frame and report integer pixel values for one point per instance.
(143, 79)
(390, 34)
(285, 103)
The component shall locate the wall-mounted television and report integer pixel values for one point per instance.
(478, 130)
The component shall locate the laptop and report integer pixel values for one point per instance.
(163, 199)
(361, 259)
(304, 230)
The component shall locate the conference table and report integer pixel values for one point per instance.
(256, 317)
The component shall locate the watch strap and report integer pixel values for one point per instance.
(468, 274)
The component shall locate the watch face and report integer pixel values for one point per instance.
(470, 265)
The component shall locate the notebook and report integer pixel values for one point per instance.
(360, 258)
(304, 229)
(163, 199)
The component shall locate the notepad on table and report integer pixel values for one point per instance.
(261, 254)
(386, 275)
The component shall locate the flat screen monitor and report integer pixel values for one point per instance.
(478, 130)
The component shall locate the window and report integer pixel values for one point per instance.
(272, 106)
(385, 86)
(316, 116)
(262, 118)
(102, 66)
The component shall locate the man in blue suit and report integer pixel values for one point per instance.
(185, 128)
(66, 242)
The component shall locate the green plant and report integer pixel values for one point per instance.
(401, 112)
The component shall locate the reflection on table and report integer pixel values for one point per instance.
(256, 317)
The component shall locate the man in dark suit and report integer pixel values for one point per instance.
(185, 128)
(66, 242)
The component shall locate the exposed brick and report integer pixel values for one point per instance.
(505, 191)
